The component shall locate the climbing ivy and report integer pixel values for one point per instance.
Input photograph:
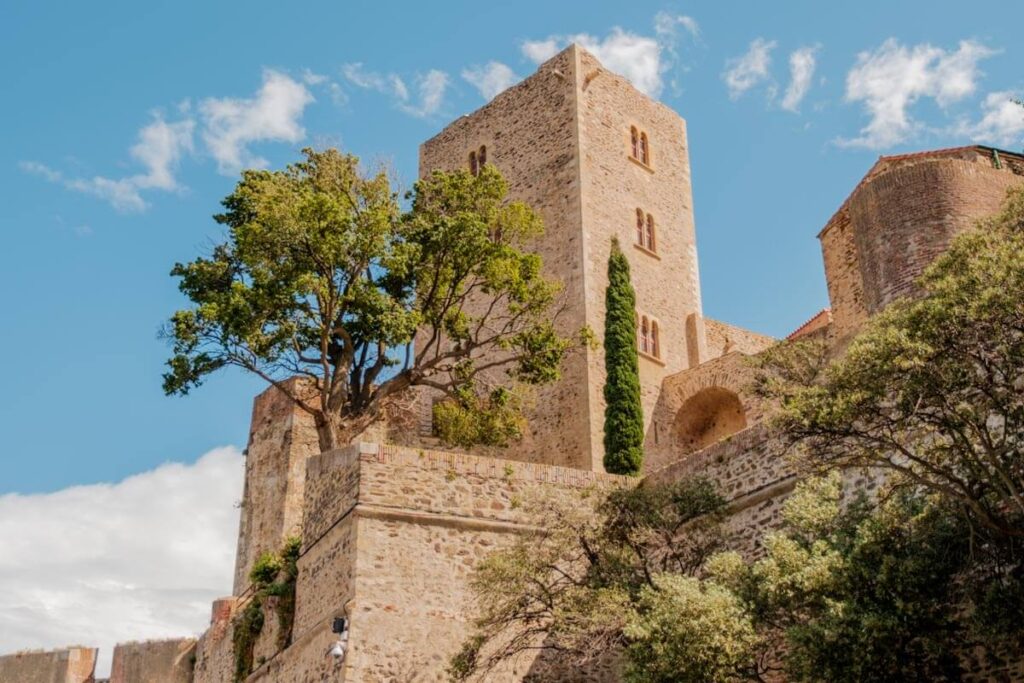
(272, 575)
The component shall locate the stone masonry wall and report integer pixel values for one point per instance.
(723, 338)
(281, 438)
(530, 132)
(614, 185)
(154, 661)
(392, 535)
(902, 219)
(69, 665)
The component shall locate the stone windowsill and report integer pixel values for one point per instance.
(647, 251)
(653, 359)
(640, 163)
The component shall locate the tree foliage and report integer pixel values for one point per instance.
(623, 413)
(932, 390)
(324, 276)
(576, 585)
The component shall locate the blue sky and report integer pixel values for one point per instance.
(125, 123)
(96, 215)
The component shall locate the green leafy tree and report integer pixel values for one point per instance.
(577, 586)
(931, 390)
(854, 592)
(623, 413)
(325, 277)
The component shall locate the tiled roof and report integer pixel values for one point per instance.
(827, 312)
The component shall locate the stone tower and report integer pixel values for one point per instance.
(599, 160)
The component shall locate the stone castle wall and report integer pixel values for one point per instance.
(68, 665)
(391, 537)
(154, 661)
(900, 217)
(281, 439)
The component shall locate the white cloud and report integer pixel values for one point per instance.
(1002, 122)
(643, 60)
(665, 24)
(160, 147)
(104, 563)
(490, 79)
(230, 125)
(431, 88)
(744, 72)
(801, 70)
(538, 51)
(892, 78)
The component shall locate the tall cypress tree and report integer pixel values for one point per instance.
(623, 414)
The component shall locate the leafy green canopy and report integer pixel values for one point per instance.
(596, 576)
(325, 277)
(623, 413)
(932, 390)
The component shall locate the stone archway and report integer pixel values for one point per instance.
(708, 416)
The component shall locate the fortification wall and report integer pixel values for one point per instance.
(154, 661)
(68, 665)
(902, 215)
(281, 439)
(904, 218)
(391, 536)
(723, 338)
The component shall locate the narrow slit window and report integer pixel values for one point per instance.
(644, 156)
(648, 236)
(482, 156)
(655, 348)
(474, 168)
(645, 335)
(640, 227)
(635, 142)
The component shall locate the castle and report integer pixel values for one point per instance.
(391, 529)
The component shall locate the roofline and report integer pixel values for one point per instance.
(911, 155)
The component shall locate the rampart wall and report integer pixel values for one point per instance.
(154, 661)
(67, 665)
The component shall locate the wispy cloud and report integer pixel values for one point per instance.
(643, 60)
(140, 558)
(159, 150)
(490, 79)
(230, 125)
(802, 63)
(744, 72)
(430, 87)
(889, 80)
(1001, 123)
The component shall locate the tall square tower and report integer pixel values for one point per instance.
(598, 160)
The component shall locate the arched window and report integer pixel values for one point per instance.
(634, 136)
(482, 156)
(648, 240)
(645, 335)
(640, 227)
(644, 155)
(655, 346)
(474, 168)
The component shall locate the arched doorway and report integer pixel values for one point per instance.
(708, 416)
